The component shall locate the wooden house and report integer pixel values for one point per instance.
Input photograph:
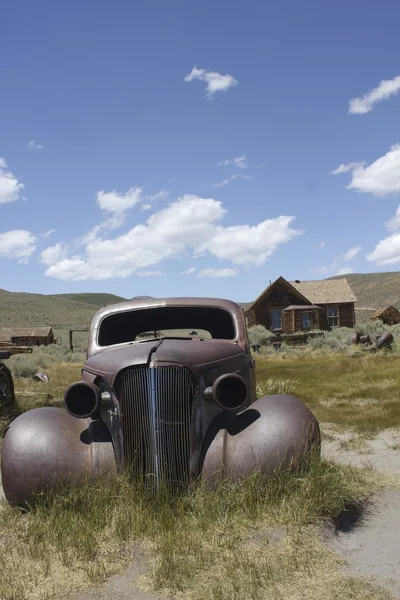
(27, 336)
(389, 315)
(295, 306)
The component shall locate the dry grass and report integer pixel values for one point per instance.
(205, 544)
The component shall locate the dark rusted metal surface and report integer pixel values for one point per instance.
(366, 340)
(40, 376)
(154, 411)
(385, 340)
(46, 447)
(7, 398)
(275, 431)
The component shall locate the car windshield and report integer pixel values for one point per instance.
(176, 321)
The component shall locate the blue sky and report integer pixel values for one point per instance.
(185, 148)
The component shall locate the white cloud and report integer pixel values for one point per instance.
(49, 232)
(215, 81)
(394, 223)
(53, 254)
(386, 89)
(188, 271)
(34, 146)
(150, 273)
(146, 207)
(239, 162)
(380, 178)
(187, 226)
(346, 168)
(251, 245)
(18, 244)
(352, 253)
(387, 251)
(261, 165)
(218, 273)
(344, 271)
(227, 181)
(161, 195)
(10, 187)
(115, 202)
(322, 245)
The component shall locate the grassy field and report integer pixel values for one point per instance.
(361, 392)
(257, 539)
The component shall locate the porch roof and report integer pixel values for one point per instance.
(302, 307)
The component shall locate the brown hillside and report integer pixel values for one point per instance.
(375, 290)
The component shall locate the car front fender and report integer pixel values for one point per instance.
(45, 448)
(275, 432)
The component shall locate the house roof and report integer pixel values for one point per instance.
(270, 288)
(327, 291)
(6, 333)
(380, 311)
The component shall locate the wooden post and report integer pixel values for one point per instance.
(70, 341)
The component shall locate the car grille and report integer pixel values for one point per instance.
(155, 406)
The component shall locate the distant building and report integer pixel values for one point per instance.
(389, 315)
(295, 306)
(27, 336)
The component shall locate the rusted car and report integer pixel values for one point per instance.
(168, 393)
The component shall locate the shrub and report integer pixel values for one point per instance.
(42, 357)
(259, 335)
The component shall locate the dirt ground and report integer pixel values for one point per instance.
(369, 543)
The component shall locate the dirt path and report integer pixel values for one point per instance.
(125, 586)
(371, 546)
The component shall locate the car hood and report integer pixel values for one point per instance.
(194, 354)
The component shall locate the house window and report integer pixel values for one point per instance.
(276, 318)
(333, 316)
(306, 320)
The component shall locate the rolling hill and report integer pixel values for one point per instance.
(74, 311)
(97, 299)
(18, 309)
(375, 290)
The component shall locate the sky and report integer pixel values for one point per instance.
(181, 148)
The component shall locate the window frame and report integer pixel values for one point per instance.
(306, 315)
(276, 310)
(334, 317)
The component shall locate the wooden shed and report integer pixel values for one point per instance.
(389, 315)
(27, 336)
(295, 306)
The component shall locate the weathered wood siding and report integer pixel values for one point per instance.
(32, 341)
(288, 321)
(346, 315)
(390, 316)
(280, 297)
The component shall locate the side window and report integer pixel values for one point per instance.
(306, 320)
(333, 316)
(276, 318)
